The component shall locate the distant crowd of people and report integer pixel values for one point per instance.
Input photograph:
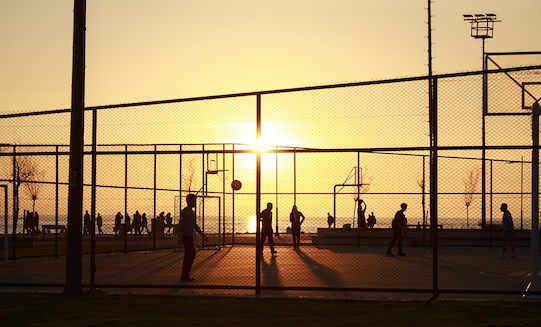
(139, 224)
(136, 225)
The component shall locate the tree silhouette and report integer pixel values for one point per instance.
(188, 178)
(26, 170)
(470, 184)
(33, 188)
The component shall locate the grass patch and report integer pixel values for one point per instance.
(141, 310)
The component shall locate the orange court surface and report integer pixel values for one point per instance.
(313, 271)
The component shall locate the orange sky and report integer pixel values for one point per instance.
(141, 50)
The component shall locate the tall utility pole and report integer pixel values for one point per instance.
(75, 199)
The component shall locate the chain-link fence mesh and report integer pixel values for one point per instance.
(346, 156)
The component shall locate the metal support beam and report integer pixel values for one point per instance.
(534, 284)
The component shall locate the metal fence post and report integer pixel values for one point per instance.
(434, 186)
(56, 206)
(258, 201)
(5, 224)
(125, 199)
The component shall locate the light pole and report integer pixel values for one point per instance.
(482, 27)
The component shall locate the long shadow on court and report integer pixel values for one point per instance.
(271, 275)
(328, 277)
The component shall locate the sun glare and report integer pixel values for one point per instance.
(251, 225)
(261, 145)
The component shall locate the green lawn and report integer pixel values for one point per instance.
(140, 310)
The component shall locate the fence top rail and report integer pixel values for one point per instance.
(276, 91)
(29, 145)
(512, 53)
(400, 151)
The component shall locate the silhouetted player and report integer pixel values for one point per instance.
(361, 214)
(266, 227)
(508, 231)
(399, 226)
(187, 225)
(296, 222)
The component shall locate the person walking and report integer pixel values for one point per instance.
(399, 226)
(266, 228)
(296, 222)
(508, 232)
(144, 223)
(187, 228)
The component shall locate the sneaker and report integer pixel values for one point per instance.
(502, 255)
(390, 254)
(401, 254)
(187, 278)
(512, 255)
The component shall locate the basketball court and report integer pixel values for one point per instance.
(332, 271)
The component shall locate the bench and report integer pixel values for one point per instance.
(47, 228)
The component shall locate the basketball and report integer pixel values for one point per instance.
(414, 243)
(236, 185)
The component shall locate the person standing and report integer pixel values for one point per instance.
(36, 221)
(187, 225)
(86, 223)
(127, 224)
(296, 222)
(330, 220)
(266, 228)
(168, 222)
(99, 222)
(371, 221)
(508, 232)
(361, 214)
(118, 222)
(137, 223)
(399, 226)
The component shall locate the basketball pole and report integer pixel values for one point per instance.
(534, 284)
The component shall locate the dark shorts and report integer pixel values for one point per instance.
(508, 236)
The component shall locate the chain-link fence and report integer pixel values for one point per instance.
(347, 156)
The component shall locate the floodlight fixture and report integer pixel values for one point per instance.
(482, 25)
